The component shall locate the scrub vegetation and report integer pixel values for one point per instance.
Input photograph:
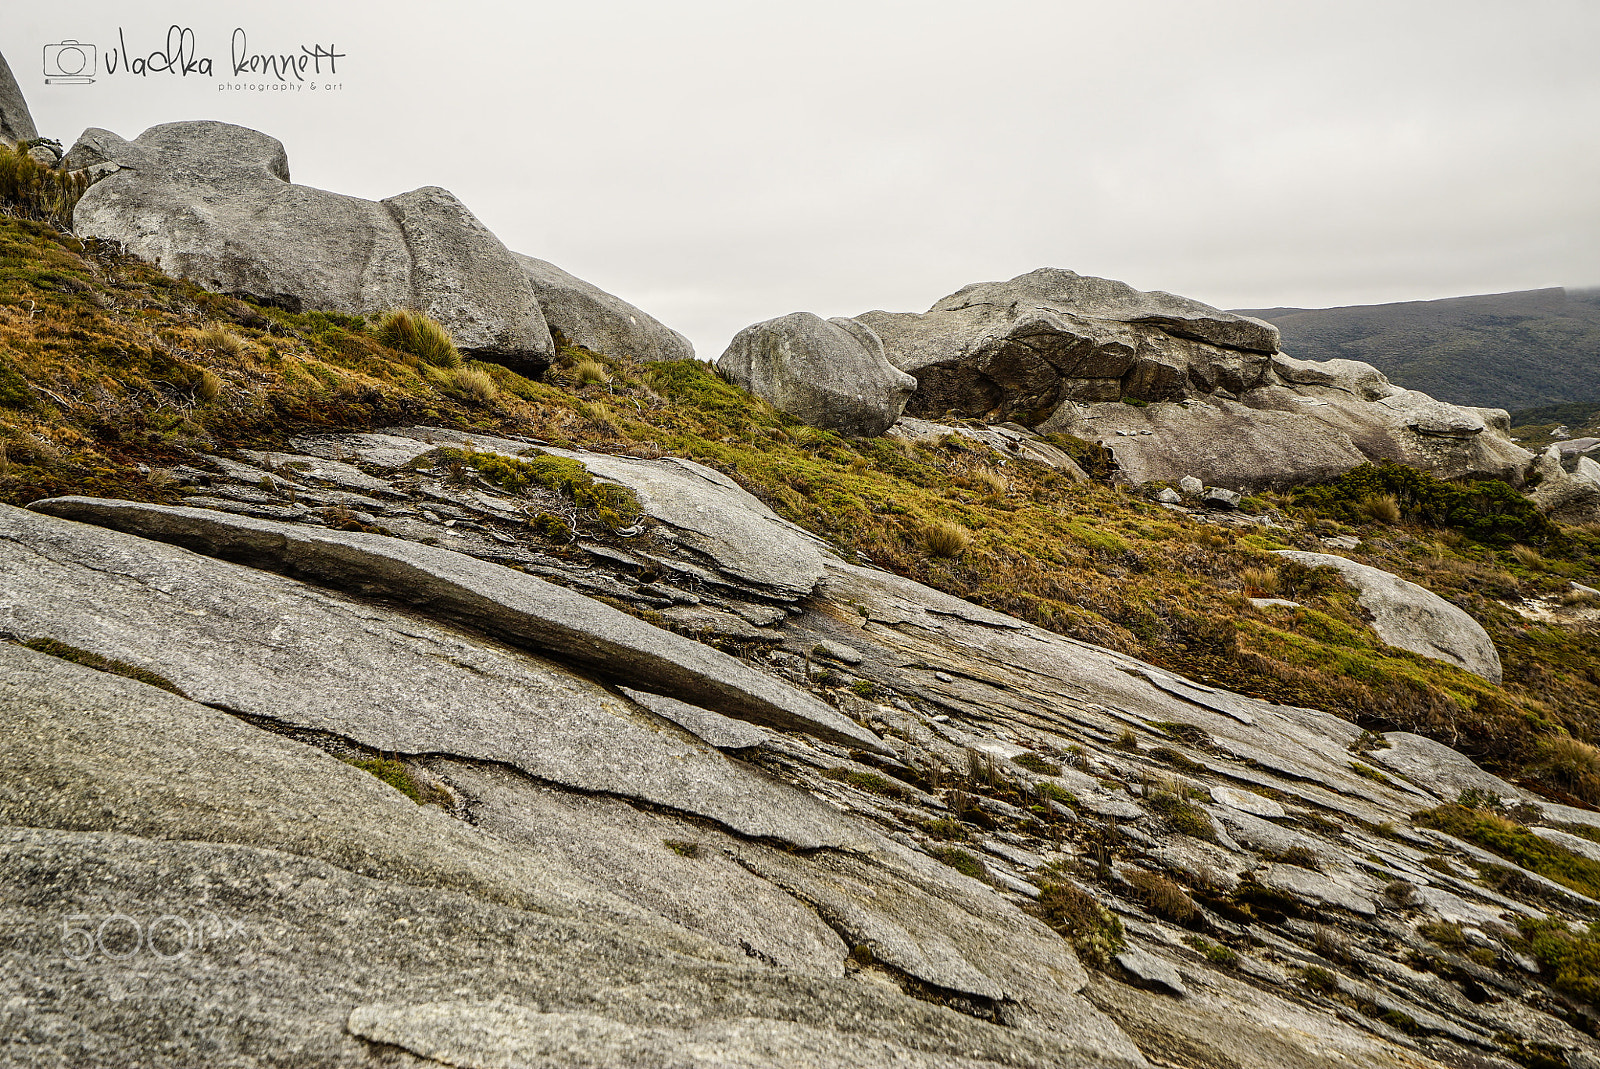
(112, 373)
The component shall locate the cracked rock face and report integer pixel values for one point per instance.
(634, 876)
(213, 202)
(1210, 395)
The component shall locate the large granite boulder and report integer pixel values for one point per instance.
(828, 373)
(1567, 497)
(213, 203)
(1174, 387)
(16, 122)
(580, 313)
(1413, 618)
(1015, 350)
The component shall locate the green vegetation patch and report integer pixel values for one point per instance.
(962, 862)
(102, 664)
(1571, 959)
(1094, 930)
(397, 775)
(1484, 510)
(1516, 843)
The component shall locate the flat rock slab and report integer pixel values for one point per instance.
(1147, 969)
(1317, 888)
(1413, 618)
(124, 756)
(265, 646)
(712, 514)
(1246, 802)
(723, 732)
(1437, 768)
(521, 608)
(298, 950)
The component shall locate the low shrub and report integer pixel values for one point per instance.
(1484, 510)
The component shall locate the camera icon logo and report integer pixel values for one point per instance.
(69, 63)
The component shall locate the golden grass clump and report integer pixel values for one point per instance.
(1527, 556)
(587, 371)
(210, 385)
(423, 337)
(1260, 582)
(946, 538)
(219, 339)
(1382, 508)
(476, 384)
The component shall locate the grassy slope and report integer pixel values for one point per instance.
(106, 366)
(1503, 350)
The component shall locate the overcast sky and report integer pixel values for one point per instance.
(721, 163)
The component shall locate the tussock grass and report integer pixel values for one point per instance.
(476, 384)
(945, 538)
(1382, 508)
(423, 337)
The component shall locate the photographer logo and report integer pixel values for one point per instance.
(70, 62)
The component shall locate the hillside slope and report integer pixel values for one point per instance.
(1498, 350)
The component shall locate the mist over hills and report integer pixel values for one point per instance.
(1502, 350)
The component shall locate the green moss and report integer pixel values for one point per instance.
(866, 781)
(615, 506)
(1034, 763)
(102, 664)
(1571, 958)
(961, 861)
(1368, 772)
(1516, 843)
(397, 775)
(1184, 815)
(1095, 932)
(682, 848)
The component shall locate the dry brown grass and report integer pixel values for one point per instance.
(1382, 508)
(475, 383)
(222, 341)
(1260, 582)
(585, 372)
(1163, 897)
(945, 538)
(1527, 556)
(210, 385)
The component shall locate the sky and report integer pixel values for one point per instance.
(721, 163)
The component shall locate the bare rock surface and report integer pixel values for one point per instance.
(16, 122)
(585, 315)
(213, 202)
(521, 608)
(827, 373)
(1437, 768)
(1413, 618)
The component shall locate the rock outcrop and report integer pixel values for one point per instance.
(1174, 387)
(213, 202)
(631, 894)
(1017, 349)
(16, 122)
(828, 373)
(580, 313)
(1411, 617)
(1567, 497)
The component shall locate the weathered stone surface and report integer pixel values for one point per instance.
(1146, 968)
(1246, 802)
(723, 732)
(1566, 497)
(518, 607)
(1229, 443)
(297, 947)
(1437, 768)
(585, 315)
(1317, 888)
(388, 681)
(709, 512)
(213, 202)
(1215, 497)
(122, 756)
(1017, 349)
(1359, 380)
(1007, 439)
(828, 373)
(1413, 618)
(16, 122)
(623, 852)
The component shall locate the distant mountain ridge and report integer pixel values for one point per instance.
(1500, 350)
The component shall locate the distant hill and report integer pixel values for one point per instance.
(1501, 350)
